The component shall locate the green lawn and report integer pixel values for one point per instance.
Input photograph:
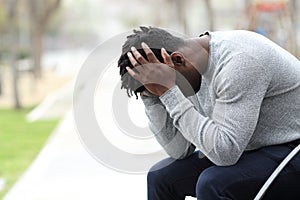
(20, 142)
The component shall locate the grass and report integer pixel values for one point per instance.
(20, 143)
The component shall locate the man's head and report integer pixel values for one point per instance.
(156, 39)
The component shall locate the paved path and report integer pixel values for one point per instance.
(64, 170)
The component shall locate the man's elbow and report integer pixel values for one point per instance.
(225, 159)
(225, 163)
(180, 155)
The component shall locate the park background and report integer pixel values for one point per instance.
(43, 45)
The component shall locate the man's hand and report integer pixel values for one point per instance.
(157, 77)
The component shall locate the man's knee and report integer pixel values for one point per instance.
(154, 179)
(158, 174)
(208, 184)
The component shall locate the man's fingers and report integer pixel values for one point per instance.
(138, 56)
(132, 60)
(150, 55)
(167, 58)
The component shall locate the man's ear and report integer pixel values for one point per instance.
(178, 58)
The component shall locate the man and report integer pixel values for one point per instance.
(233, 95)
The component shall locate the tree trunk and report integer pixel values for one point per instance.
(14, 67)
(13, 41)
(37, 49)
(40, 14)
(180, 8)
(210, 14)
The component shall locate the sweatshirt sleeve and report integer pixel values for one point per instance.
(239, 89)
(164, 131)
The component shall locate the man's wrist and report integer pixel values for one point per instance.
(170, 90)
(163, 91)
(172, 98)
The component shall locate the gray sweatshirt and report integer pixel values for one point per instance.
(249, 98)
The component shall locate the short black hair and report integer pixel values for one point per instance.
(155, 38)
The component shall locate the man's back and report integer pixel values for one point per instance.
(235, 56)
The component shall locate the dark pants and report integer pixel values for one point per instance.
(200, 178)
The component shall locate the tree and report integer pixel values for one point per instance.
(40, 14)
(11, 14)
